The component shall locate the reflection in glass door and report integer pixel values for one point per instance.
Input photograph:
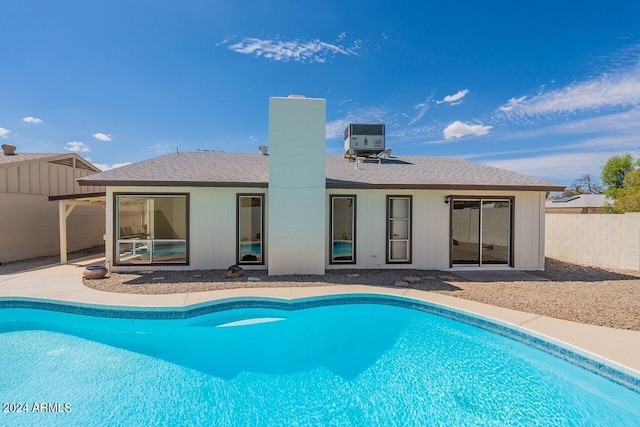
(466, 232)
(481, 232)
(496, 235)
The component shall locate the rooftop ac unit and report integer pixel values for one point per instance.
(361, 140)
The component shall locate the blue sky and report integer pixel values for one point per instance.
(551, 89)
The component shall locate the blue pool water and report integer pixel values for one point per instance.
(252, 247)
(342, 248)
(364, 364)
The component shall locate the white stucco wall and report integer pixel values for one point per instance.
(297, 150)
(213, 227)
(431, 228)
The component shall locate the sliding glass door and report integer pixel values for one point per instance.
(496, 231)
(481, 231)
(466, 232)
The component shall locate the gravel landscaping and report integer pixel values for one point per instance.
(572, 292)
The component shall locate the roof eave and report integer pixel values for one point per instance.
(367, 186)
(343, 185)
(127, 183)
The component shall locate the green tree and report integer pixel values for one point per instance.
(628, 199)
(614, 172)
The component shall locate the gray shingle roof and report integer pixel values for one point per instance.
(24, 157)
(243, 169)
(59, 158)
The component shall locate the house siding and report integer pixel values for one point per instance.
(430, 240)
(31, 227)
(213, 228)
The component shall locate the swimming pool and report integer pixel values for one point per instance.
(325, 362)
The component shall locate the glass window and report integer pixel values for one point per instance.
(398, 229)
(151, 229)
(342, 245)
(250, 229)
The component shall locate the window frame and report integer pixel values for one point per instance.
(354, 228)
(388, 239)
(262, 226)
(115, 233)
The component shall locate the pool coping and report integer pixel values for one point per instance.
(611, 370)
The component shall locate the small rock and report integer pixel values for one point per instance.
(401, 284)
(253, 279)
(353, 275)
(197, 275)
(158, 278)
(234, 271)
(412, 279)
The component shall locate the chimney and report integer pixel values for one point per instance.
(297, 185)
(9, 150)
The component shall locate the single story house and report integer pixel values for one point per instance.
(299, 210)
(29, 222)
(579, 204)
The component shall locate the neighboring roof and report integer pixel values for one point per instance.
(23, 157)
(579, 201)
(80, 196)
(216, 169)
(58, 158)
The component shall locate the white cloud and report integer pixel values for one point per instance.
(77, 146)
(512, 103)
(4, 132)
(416, 132)
(424, 107)
(454, 99)
(164, 147)
(105, 167)
(459, 129)
(335, 128)
(31, 120)
(102, 136)
(619, 89)
(295, 50)
(565, 166)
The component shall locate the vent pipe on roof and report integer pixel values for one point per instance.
(263, 149)
(9, 150)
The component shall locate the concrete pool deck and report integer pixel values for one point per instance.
(63, 283)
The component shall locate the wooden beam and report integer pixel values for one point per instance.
(62, 218)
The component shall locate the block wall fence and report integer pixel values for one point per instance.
(599, 240)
